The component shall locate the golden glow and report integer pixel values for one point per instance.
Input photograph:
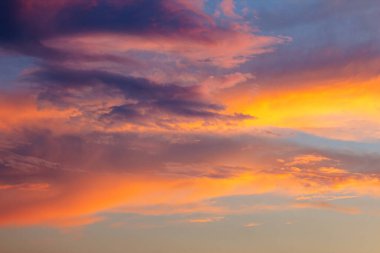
(319, 108)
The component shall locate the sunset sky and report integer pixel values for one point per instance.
(189, 126)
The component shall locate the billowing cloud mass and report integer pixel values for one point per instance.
(199, 113)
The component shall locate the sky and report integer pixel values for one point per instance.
(166, 126)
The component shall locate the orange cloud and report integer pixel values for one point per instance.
(21, 110)
(81, 197)
(306, 159)
(205, 220)
(252, 225)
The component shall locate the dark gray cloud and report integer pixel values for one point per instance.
(143, 101)
(25, 24)
(159, 17)
(17, 168)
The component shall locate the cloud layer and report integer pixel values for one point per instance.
(167, 107)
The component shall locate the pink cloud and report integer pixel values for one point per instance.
(228, 8)
(225, 49)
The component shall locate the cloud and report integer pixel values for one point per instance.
(88, 197)
(144, 107)
(116, 99)
(171, 27)
(100, 173)
(205, 220)
(25, 172)
(217, 83)
(252, 225)
(228, 8)
(306, 159)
